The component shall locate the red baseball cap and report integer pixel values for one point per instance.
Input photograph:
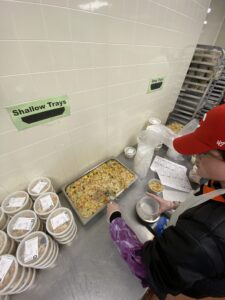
(209, 135)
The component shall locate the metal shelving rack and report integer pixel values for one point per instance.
(203, 86)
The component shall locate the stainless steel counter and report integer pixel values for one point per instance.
(92, 268)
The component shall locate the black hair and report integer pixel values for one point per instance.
(222, 152)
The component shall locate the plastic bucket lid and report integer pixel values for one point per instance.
(15, 202)
(60, 221)
(40, 244)
(46, 203)
(4, 243)
(38, 186)
(9, 276)
(22, 224)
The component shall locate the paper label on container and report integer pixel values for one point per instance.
(16, 202)
(46, 202)
(31, 249)
(5, 264)
(23, 224)
(59, 220)
(39, 187)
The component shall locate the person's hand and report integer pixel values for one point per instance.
(164, 205)
(111, 208)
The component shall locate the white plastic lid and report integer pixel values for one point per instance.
(21, 224)
(15, 201)
(59, 221)
(32, 248)
(45, 203)
(154, 121)
(8, 271)
(39, 186)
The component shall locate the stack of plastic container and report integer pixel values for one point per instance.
(3, 219)
(45, 204)
(16, 202)
(14, 279)
(37, 250)
(39, 186)
(22, 224)
(61, 225)
(7, 245)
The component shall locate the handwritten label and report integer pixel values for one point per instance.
(171, 174)
(16, 202)
(59, 220)
(39, 187)
(31, 249)
(46, 202)
(5, 264)
(23, 224)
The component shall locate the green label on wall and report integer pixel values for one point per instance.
(38, 112)
(155, 84)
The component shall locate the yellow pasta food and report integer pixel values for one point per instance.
(175, 126)
(155, 186)
(91, 192)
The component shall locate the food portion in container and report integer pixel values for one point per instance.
(46, 202)
(32, 248)
(59, 220)
(175, 127)
(92, 191)
(155, 186)
(8, 268)
(15, 202)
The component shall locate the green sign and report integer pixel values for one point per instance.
(38, 112)
(155, 84)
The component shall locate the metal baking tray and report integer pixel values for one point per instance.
(83, 220)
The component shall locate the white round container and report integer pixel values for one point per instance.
(39, 186)
(3, 219)
(42, 253)
(45, 204)
(5, 243)
(61, 225)
(16, 202)
(12, 273)
(22, 224)
(154, 121)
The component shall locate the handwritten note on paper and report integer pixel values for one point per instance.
(171, 174)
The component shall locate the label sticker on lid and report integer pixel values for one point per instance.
(46, 202)
(39, 187)
(23, 224)
(5, 264)
(16, 202)
(31, 249)
(59, 220)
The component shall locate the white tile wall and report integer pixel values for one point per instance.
(102, 55)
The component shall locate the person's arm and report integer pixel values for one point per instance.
(126, 242)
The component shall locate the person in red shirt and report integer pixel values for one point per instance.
(189, 256)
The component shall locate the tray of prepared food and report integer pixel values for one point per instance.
(89, 193)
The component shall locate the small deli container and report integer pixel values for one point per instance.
(7, 245)
(3, 219)
(37, 250)
(16, 202)
(147, 209)
(155, 186)
(61, 225)
(39, 186)
(45, 204)
(154, 121)
(22, 224)
(14, 278)
(130, 152)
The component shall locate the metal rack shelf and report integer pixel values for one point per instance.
(203, 86)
